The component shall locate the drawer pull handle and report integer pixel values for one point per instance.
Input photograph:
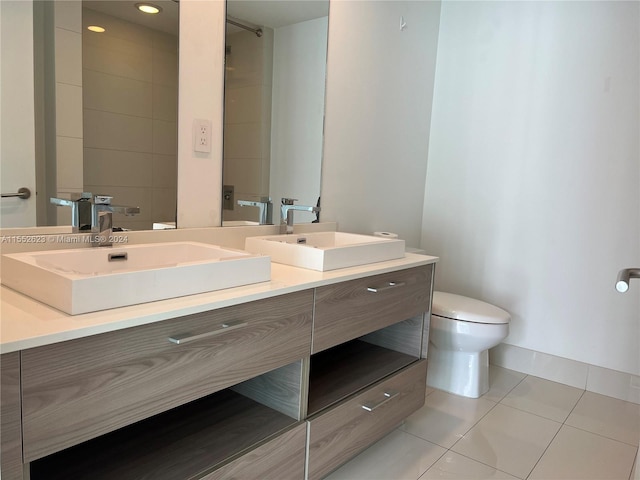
(386, 287)
(187, 337)
(388, 396)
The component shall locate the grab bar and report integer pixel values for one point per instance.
(22, 193)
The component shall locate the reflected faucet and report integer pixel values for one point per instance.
(80, 210)
(102, 219)
(95, 213)
(286, 213)
(265, 213)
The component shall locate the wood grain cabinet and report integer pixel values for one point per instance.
(218, 436)
(288, 387)
(11, 435)
(348, 310)
(279, 459)
(348, 428)
(77, 390)
(366, 375)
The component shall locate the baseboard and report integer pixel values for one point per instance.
(593, 378)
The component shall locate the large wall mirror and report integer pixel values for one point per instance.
(106, 91)
(106, 106)
(275, 70)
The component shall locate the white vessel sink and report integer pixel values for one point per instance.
(326, 250)
(90, 279)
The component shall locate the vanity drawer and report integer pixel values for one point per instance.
(348, 310)
(74, 391)
(279, 459)
(338, 434)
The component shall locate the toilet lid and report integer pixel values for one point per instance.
(467, 309)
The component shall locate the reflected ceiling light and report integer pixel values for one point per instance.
(96, 28)
(148, 8)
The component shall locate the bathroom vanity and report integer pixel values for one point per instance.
(286, 379)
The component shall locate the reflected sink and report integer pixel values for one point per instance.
(90, 279)
(326, 250)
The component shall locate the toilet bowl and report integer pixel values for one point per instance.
(461, 332)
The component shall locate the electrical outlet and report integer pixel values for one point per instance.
(202, 136)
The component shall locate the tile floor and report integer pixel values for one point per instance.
(523, 428)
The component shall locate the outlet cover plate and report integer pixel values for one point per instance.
(202, 136)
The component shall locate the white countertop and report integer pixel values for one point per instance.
(27, 323)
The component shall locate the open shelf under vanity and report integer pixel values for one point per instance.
(184, 442)
(348, 368)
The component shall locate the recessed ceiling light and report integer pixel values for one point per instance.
(96, 28)
(148, 8)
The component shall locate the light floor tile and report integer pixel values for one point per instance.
(453, 466)
(398, 456)
(446, 417)
(607, 416)
(501, 382)
(545, 398)
(635, 473)
(508, 439)
(576, 454)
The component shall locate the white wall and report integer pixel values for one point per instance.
(378, 109)
(532, 192)
(299, 73)
(200, 96)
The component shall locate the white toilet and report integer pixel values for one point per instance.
(461, 333)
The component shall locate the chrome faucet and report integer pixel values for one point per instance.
(94, 213)
(102, 219)
(286, 213)
(80, 210)
(265, 212)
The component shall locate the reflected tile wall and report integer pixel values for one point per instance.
(247, 123)
(130, 118)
